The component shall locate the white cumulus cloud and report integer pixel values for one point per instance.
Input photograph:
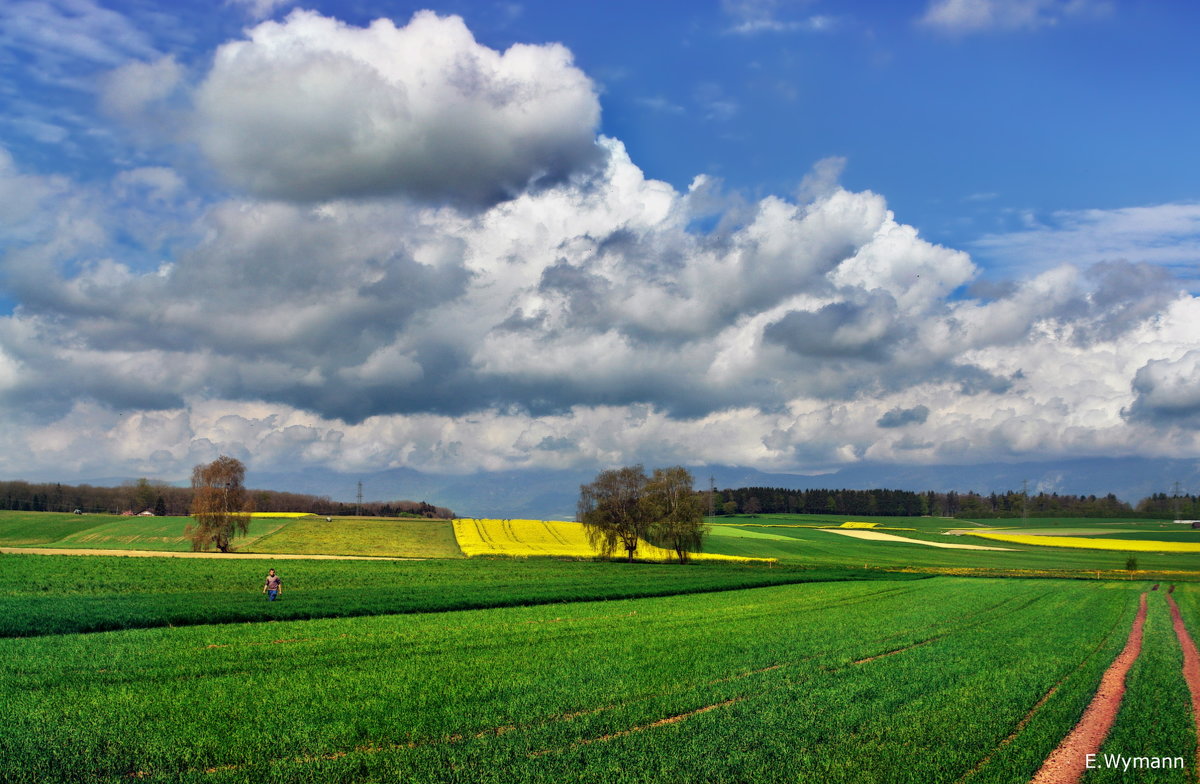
(311, 109)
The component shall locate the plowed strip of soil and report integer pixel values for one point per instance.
(189, 554)
(1066, 764)
(1191, 668)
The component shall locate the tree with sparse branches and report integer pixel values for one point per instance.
(611, 510)
(220, 504)
(674, 509)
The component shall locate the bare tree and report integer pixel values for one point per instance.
(674, 509)
(611, 510)
(220, 504)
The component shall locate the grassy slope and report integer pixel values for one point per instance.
(363, 536)
(943, 523)
(414, 538)
(468, 698)
(807, 545)
(26, 528)
(106, 532)
(42, 594)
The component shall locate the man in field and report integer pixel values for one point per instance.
(273, 586)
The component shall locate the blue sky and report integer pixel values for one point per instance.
(966, 131)
(814, 233)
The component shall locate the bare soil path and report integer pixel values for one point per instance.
(1191, 668)
(169, 554)
(1066, 764)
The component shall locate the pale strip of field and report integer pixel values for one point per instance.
(1044, 531)
(170, 554)
(1093, 543)
(726, 530)
(880, 537)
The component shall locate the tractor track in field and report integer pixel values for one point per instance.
(1191, 668)
(572, 715)
(642, 727)
(1020, 726)
(1066, 764)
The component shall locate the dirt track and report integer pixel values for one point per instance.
(170, 554)
(1066, 764)
(1191, 667)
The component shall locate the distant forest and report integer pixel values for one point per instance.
(165, 499)
(777, 500)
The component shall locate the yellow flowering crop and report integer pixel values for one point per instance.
(281, 514)
(549, 537)
(858, 525)
(1097, 543)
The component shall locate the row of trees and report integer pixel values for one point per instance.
(1186, 507)
(624, 505)
(756, 500)
(164, 499)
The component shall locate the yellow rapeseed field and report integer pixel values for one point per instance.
(280, 514)
(1097, 543)
(849, 524)
(550, 537)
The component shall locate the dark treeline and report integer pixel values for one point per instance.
(755, 500)
(165, 499)
(1179, 507)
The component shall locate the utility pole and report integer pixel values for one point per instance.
(712, 494)
(358, 509)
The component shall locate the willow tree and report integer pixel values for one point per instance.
(677, 522)
(612, 511)
(220, 504)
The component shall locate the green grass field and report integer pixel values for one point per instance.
(404, 537)
(52, 594)
(788, 538)
(362, 536)
(814, 669)
(152, 533)
(936, 680)
(26, 528)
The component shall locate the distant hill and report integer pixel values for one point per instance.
(552, 494)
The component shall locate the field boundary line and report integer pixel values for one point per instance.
(949, 628)
(1191, 669)
(1067, 762)
(641, 727)
(895, 651)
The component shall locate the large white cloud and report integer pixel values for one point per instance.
(310, 109)
(581, 320)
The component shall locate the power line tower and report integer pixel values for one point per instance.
(712, 496)
(1175, 501)
(358, 508)
(1024, 502)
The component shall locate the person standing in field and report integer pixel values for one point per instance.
(273, 586)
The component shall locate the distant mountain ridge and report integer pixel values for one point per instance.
(552, 494)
